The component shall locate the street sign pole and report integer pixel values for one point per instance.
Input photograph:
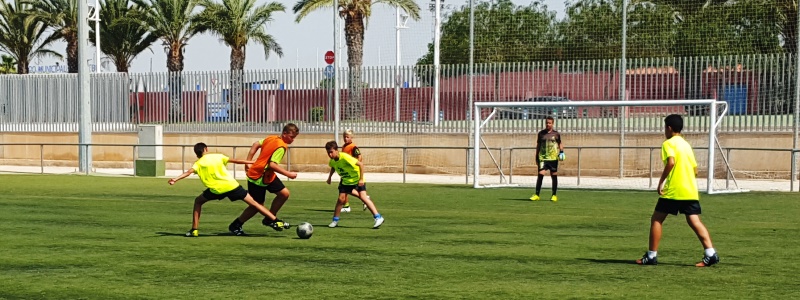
(329, 72)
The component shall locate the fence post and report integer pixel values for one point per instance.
(511, 165)
(466, 178)
(579, 165)
(650, 172)
(502, 178)
(183, 158)
(41, 158)
(134, 160)
(405, 154)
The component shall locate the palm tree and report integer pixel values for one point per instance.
(356, 14)
(62, 17)
(22, 35)
(237, 23)
(7, 64)
(122, 34)
(171, 21)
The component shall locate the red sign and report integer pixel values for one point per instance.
(329, 57)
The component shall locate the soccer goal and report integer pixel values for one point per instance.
(609, 144)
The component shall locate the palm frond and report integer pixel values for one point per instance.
(269, 44)
(304, 7)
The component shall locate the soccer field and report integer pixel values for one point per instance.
(81, 237)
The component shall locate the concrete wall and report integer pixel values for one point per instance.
(307, 153)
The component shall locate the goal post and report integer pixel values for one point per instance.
(505, 117)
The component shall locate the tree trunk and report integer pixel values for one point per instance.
(175, 58)
(175, 67)
(121, 63)
(72, 52)
(236, 96)
(22, 66)
(354, 35)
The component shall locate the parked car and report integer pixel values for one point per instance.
(526, 113)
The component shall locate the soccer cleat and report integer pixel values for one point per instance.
(554, 198)
(192, 233)
(365, 207)
(277, 225)
(645, 260)
(378, 222)
(708, 261)
(345, 209)
(333, 224)
(236, 229)
(535, 198)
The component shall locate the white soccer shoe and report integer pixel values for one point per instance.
(378, 222)
(333, 224)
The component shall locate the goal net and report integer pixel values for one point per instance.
(608, 144)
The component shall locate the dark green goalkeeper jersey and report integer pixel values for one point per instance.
(547, 143)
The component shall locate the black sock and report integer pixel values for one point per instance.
(555, 183)
(237, 223)
(539, 183)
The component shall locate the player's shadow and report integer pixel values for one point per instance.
(161, 233)
(320, 210)
(618, 261)
(610, 261)
(516, 199)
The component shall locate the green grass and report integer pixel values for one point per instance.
(77, 237)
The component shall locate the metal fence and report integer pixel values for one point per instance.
(759, 90)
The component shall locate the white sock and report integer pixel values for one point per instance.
(710, 252)
(652, 254)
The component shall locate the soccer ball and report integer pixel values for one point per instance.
(305, 230)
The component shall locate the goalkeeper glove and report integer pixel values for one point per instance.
(561, 155)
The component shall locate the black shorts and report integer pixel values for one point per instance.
(551, 165)
(347, 189)
(259, 192)
(238, 193)
(686, 207)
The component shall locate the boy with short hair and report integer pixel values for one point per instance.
(262, 178)
(210, 167)
(549, 151)
(351, 172)
(677, 190)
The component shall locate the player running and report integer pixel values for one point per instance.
(351, 173)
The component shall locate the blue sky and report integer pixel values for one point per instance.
(305, 43)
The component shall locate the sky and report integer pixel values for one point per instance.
(305, 43)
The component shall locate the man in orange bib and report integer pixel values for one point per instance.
(262, 175)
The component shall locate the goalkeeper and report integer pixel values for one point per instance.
(549, 150)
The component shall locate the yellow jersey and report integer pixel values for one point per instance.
(680, 183)
(213, 173)
(347, 168)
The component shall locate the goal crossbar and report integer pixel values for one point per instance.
(714, 115)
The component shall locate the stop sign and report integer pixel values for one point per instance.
(329, 57)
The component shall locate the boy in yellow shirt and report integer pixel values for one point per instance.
(351, 173)
(210, 167)
(677, 190)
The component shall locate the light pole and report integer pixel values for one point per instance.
(437, 27)
(84, 92)
(94, 15)
(401, 24)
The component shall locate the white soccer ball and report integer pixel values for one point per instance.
(305, 230)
